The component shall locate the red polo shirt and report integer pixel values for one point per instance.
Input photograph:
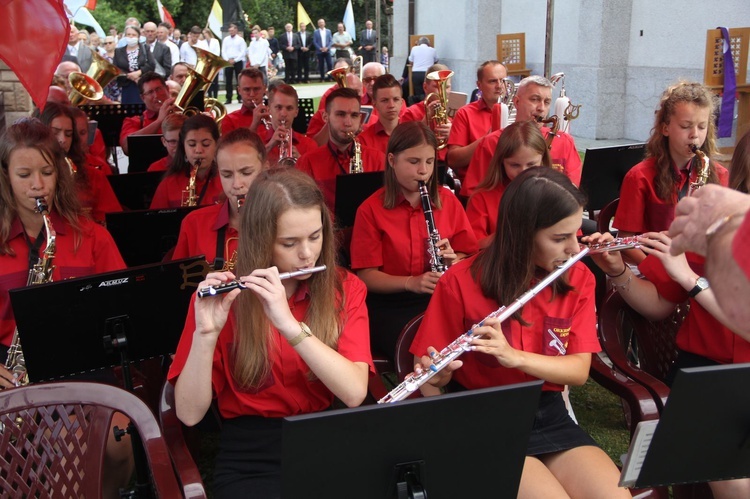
(740, 244)
(96, 253)
(199, 233)
(243, 118)
(640, 209)
(160, 165)
(135, 123)
(98, 148)
(700, 332)
(417, 113)
(302, 143)
(288, 390)
(395, 241)
(375, 137)
(482, 211)
(471, 122)
(563, 154)
(98, 198)
(326, 162)
(458, 304)
(169, 192)
(98, 163)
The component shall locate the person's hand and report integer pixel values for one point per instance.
(443, 131)
(489, 339)
(265, 283)
(279, 135)
(167, 108)
(7, 378)
(260, 113)
(211, 312)
(423, 284)
(609, 261)
(695, 214)
(442, 377)
(445, 251)
(677, 267)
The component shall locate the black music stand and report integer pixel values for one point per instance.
(603, 170)
(351, 191)
(135, 191)
(110, 118)
(144, 150)
(439, 446)
(62, 325)
(703, 433)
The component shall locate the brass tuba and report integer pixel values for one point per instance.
(339, 76)
(83, 88)
(199, 79)
(102, 70)
(439, 116)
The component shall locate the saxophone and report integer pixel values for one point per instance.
(355, 164)
(39, 273)
(436, 261)
(701, 177)
(189, 198)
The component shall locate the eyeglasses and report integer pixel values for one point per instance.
(161, 90)
(369, 79)
(172, 142)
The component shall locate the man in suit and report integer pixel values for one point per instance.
(303, 59)
(323, 41)
(369, 40)
(162, 54)
(289, 44)
(79, 50)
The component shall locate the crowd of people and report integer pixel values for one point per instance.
(510, 212)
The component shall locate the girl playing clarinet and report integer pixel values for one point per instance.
(390, 243)
(551, 338)
(279, 348)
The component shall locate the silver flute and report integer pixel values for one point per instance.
(237, 284)
(462, 344)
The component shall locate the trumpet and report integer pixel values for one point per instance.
(265, 122)
(355, 163)
(189, 198)
(439, 116)
(237, 284)
(701, 177)
(286, 149)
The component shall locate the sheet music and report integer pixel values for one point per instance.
(639, 445)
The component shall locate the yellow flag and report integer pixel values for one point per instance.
(302, 16)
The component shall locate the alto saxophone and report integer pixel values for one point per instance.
(189, 198)
(39, 273)
(701, 177)
(436, 261)
(355, 164)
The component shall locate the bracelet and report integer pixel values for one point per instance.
(406, 283)
(306, 333)
(625, 286)
(625, 267)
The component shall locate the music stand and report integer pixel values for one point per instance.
(702, 434)
(351, 191)
(603, 170)
(62, 325)
(435, 442)
(109, 118)
(146, 236)
(135, 191)
(144, 150)
(366, 112)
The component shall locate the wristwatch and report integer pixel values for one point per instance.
(306, 333)
(700, 284)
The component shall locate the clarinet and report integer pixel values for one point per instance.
(463, 343)
(433, 236)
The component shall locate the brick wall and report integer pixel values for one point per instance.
(16, 102)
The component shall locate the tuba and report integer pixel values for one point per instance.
(355, 163)
(339, 76)
(439, 116)
(189, 198)
(102, 70)
(199, 79)
(40, 273)
(83, 88)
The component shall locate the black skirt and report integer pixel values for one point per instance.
(553, 430)
(389, 313)
(249, 460)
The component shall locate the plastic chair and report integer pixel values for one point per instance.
(606, 215)
(54, 437)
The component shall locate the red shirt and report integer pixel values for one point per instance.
(482, 211)
(243, 118)
(458, 304)
(98, 148)
(160, 165)
(375, 137)
(135, 123)
(288, 390)
(169, 192)
(417, 113)
(98, 198)
(395, 241)
(563, 154)
(199, 232)
(470, 123)
(740, 244)
(96, 253)
(316, 123)
(98, 163)
(326, 162)
(302, 143)
(700, 332)
(640, 209)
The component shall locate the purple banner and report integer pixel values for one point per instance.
(726, 113)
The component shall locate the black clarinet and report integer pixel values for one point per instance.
(436, 261)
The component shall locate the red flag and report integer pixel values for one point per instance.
(31, 57)
(164, 14)
(90, 4)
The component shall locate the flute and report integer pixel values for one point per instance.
(617, 244)
(463, 343)
(235, 284)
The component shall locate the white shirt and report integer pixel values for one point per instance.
(258, 51)
(213, 46)
(174, 51)
(234, 47)
(188, 55)
(323, 41)
(422, 57)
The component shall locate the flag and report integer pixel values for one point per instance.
(79, 12)
(164, 14)
(214, 19)
(349, 20)
(31, 57)
(302, 16)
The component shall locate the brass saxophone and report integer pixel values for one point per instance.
(355, 164)
(39, 273)
(701, 177)
(553, 132)
(189, 198)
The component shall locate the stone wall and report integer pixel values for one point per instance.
(16, 100)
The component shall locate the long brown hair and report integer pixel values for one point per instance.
(30, 133)
(179, 163)
(405, 136)
(53, 110)
(512, 138)
(739, 170)
(536, 199)
(271, 195)
(657, 147)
